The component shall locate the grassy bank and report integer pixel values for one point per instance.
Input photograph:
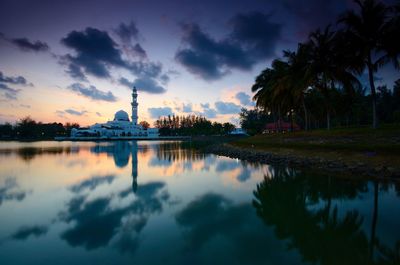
(376, 148)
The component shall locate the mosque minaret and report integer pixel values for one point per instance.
(120, 127)
(134, 105)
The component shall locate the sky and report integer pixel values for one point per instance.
(76, 61)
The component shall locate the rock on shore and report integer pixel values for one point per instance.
(257, 156)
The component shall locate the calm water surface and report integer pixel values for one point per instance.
(162, 203)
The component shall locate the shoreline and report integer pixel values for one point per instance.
(296, 161)
(122, 138)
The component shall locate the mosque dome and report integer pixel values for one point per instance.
(121, 116)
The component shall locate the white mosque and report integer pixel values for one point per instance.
(121, 127)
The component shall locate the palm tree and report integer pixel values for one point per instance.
(368, 32)
(272, 92)
(299, 78)
(327, 65)
(282, 87)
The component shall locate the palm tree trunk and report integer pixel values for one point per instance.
(373, 92)
(279, 120)
(291, 120)
(328, 119)
(305, 115)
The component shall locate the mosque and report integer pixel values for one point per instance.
(120, 128)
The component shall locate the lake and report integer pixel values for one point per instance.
(152, 202)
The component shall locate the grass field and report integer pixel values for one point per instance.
(380, 147)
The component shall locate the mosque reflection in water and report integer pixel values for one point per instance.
(121, 151)
(209, 209)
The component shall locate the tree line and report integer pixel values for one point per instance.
(347, 110)
(27, 128)
(172, 125)
(319, 83)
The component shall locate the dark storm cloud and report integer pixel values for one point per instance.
(257, 33)
(127, 32)
(143, 84)
(203, 65)
(244, 99)
(159, 112)
(92, 183)
(92, 92)
(26, 45)
(227, 107)
(252, 39)
(308, 15)
(25, 232)
(95, 52)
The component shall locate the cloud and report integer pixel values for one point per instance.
(210, 113)
(92, 183)
(159, 112)
(244, 99)
(244, 174)
(95, 53)
(18, 80)
(96, 222)
(9, 191)
(127, 32)
(252, 40)
(8, 92)
(204, 66)
(26, 45)
(75, 112)
(187, 108)
(25, 232)
(145, 84)
(230, 166)
(25, 106)
(207, 111)
(209, 218)
(227, 165)
(92, 92)
(145, 69)
(139, 51)
(256, 33)
(227, 107)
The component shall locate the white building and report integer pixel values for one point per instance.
(120, 127)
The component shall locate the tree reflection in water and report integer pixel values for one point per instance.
(299, 206)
